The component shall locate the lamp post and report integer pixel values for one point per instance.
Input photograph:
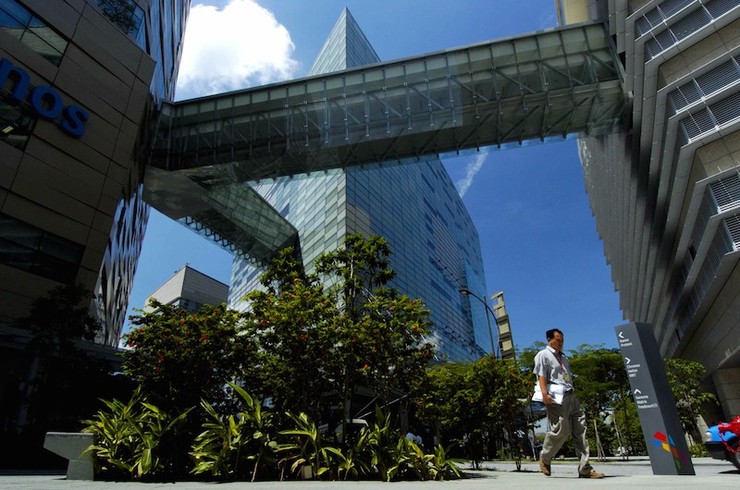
(468, 292)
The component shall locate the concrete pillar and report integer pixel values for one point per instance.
(727, 382)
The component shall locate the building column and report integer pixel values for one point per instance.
(727, 382)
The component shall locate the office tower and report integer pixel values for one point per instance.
(435, 246)
(666, 191)
(80, 79)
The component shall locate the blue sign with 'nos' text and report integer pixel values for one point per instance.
(44, 100)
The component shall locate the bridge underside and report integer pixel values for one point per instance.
(542, 86)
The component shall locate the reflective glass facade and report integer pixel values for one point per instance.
(71, 204)
(415, 207)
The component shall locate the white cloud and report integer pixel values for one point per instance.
(235, 47)
(471, 169)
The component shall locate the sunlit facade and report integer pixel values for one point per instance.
(435, 246)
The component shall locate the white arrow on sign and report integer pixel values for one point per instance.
(637, 392)
(620, 335)
(627, 360)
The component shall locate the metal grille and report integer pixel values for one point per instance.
(708, 119)
(713, 81)
(683, 28)
(721, 245)
(726, 110)
(656, 16)
(726, 192)
(733, 229)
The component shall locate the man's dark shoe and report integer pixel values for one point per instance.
(545, 468)
(591, 474)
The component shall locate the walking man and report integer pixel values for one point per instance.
(563, 410)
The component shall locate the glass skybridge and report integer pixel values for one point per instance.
(541, 86)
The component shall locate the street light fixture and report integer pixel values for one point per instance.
(468, 292)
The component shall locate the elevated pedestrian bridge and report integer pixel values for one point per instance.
(541, 86)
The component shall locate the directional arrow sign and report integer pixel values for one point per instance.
(661, 427)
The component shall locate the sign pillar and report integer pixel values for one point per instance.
(661, 427)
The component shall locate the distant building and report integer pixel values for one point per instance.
(505, 336)
(190, 289)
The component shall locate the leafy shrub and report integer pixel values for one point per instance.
(229, 441)
(129, 438)
(307, 449)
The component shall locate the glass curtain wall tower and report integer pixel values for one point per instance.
(435, 246)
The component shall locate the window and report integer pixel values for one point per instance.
(15, 125)
(127, 16)
(31, 249)
(18, 22)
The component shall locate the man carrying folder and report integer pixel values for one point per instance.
(555, 384)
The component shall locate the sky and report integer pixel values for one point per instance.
(537, 234)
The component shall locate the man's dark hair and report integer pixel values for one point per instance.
(550, 334)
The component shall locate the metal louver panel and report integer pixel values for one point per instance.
(656, 16)
(710, 118)
(726, 192)
(733, 228)
(683, 28)
(713, 81)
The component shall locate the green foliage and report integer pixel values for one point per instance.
(526, 356)
(229, 441)
(471, 403)
(685, 378)
(180, 357)
(383, 441)
(291, 324)
(307, 449)
(600, 379)
(130, 438)
(61, 317)
(424, 466)
(313, 338)
(698, 451)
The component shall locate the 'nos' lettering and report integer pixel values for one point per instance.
(45, 101)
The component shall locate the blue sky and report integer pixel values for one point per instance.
(537, 234)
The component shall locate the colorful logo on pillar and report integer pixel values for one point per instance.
(668, 445)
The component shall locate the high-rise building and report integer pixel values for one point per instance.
(435, 246)
(666, 191)
(79, 80)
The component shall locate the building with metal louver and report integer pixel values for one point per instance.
(666, 191)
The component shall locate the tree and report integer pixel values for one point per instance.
(180, 357)
(315, 339)
(291, 324)
(473, 404)
(381, 332)
(685, 379)
(599, 378)
(526, 356)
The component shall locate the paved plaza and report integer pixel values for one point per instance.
(634, 475)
